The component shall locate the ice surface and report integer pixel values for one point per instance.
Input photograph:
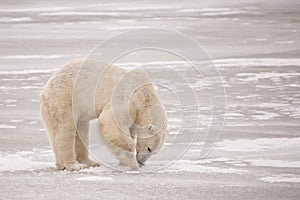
(251, 62)
(16, 19)
(21, 162)
(25, 57)
(94, 178)
(203, 169)
(285, 178)
(257, 145)
(253, 44)
(274, 163)
(4, 126)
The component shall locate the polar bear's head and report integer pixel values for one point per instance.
(147, 146)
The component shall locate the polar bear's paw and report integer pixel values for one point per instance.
(73, 167)
(91, 163)
(131, 163)
(134, 166)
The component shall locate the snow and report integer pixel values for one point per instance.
(261, 39)
(6, 88)
(25, 57)
(76, 13)
(15, 19)
(257, 145)
(16, 120)
(28, 71)
(281, 178)
(7, 101)
(285, 42)
(11, 105)
(203, 169)
(232, 12)
(35, 9)
(94, 178)
(264, 115)
(274, 163)
(20, 162)
(205, 10)
(215, 11)
(252, 62)
(247, 96)
(33, 122)
(271, 105)
(266, 75)
(232, 114)
(4, 126)
(229, 62)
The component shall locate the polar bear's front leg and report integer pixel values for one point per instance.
(120, 141)
(82, 144)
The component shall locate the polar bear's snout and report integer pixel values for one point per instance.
(142, 158)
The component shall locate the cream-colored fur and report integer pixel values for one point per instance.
(130, 114)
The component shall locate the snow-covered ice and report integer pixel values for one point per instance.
(282, 178)
(255, 47)
(94, 178)
(257, 145)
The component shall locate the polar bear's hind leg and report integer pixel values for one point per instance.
(64, 146)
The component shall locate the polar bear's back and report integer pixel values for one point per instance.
(79, 83)
(75, 83)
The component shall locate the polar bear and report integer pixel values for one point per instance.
(131, 117)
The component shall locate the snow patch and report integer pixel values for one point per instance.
(263, 115)
(257, 145)
(233, 114)
(274, 163)
(29, 71)
(266, 75)
(204, 10)
(7, 101)
(23, 57)
(232, 12)
(12, 105)
(247, 96)
(94, 178)
(18, 162)
(261, 39)
(35, 9)
(281, 178)
(26, 160)
(204, 169)
(16, 120)
(252, 62)
(285, 42)
(77, 13)
(271, 105)
(16, 19)
(4, 126)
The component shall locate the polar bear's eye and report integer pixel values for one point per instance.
(149, 149)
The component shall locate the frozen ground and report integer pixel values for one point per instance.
(255, 45)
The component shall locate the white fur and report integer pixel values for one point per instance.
(122, 102)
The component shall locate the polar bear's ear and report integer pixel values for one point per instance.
(151, 127)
